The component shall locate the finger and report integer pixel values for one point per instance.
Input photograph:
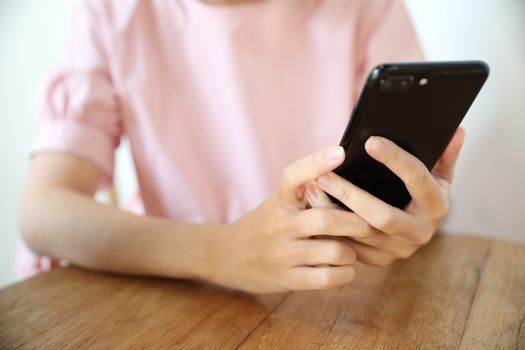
(319, 199)
(324, 252)
(305, 170)
(359, 231)
(421, 185)
(394, 245)
(372, 210)
(446, 164)
(329, 221)
(370, 255)
(304, 278)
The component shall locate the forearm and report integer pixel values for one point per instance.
(68, 225)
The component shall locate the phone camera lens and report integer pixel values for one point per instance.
(397, 82)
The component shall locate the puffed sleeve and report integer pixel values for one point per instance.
(77, 106)
(385, 34)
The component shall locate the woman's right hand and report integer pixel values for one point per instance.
(271, 249)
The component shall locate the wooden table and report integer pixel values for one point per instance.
(457, 292)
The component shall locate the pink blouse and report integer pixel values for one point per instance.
(215, 100)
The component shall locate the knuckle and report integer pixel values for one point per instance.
(367, 230)
(290, 281)
(276, 228)
(442, 210)
(419, 177)
(335, 252)
(427, 237)
(345, 194)
(304, 226)
(321, 221)
(325, 279)
(424, 237)
(405, 253)
(317, 222)
(370, 238)
(386, 222)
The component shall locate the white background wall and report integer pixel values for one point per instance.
(31, 32)
(488, 196)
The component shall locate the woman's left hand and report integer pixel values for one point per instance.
(387, 233)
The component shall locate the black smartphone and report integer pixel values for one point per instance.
(418, 106)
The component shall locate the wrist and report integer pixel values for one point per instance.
(196, 250)
(216, 250)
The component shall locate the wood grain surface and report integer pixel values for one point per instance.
(457, 292)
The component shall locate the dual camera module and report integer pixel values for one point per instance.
(401, 82)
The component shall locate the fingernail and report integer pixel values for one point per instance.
(376, 143)
(311, 194)
(324, 181)
(333, 154)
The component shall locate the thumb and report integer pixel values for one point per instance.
(303, 171)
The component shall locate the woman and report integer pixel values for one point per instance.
(230, 108)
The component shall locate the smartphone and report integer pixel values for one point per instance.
(418, 106)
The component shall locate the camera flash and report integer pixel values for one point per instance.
(423, 81)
